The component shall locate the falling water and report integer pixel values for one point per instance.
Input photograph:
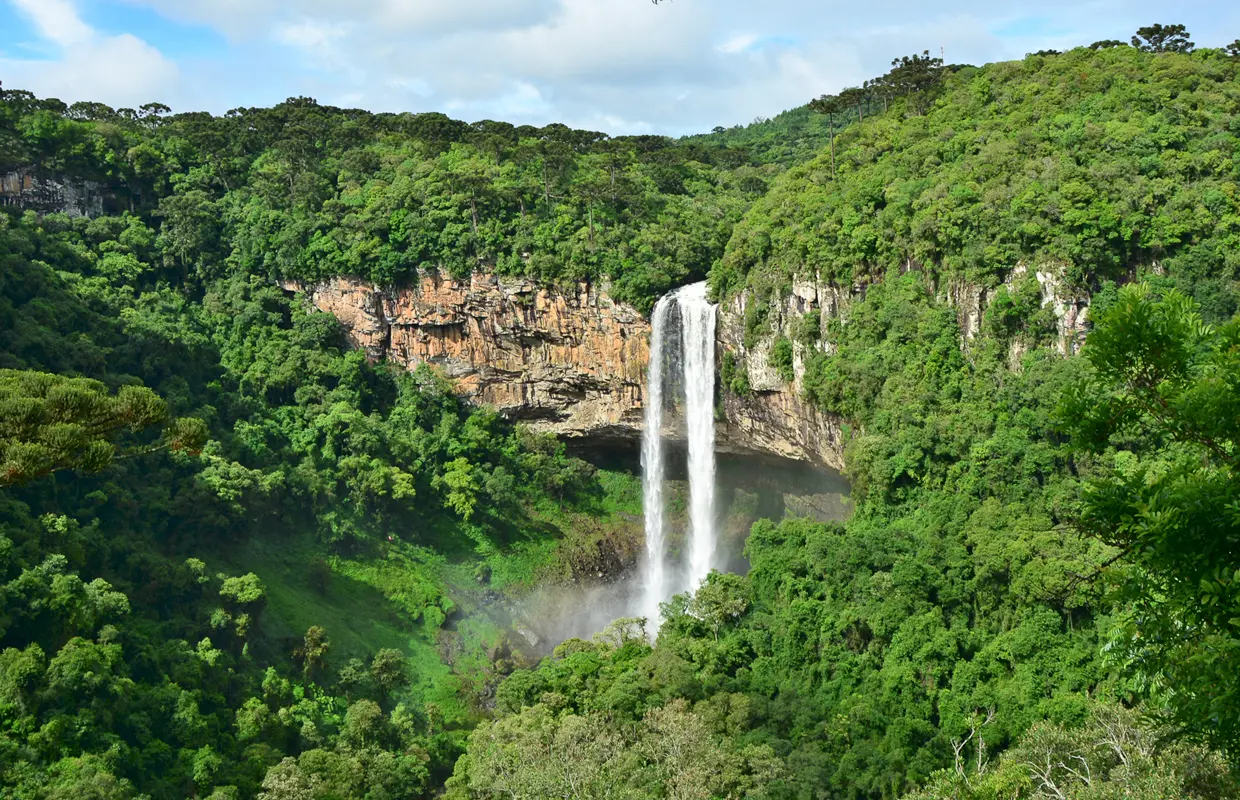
(698, 332)
(655, 582)
(697, 344)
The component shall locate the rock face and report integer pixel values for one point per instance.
(28, 190)
(773, 418)
(572, 364)
(1071, 308)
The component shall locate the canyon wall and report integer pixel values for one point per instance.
(573, 362)
(569, 363)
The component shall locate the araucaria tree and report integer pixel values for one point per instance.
(1163, 39)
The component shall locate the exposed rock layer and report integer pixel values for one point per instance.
(30, 191)
(574, 363)
(570, 363)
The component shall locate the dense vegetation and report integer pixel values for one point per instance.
(1039, 545)
(138, 650)
(1016, 571)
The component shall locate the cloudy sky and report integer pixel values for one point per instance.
(622, 66)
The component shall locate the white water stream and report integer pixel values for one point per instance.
(697, 350)
(655, 581)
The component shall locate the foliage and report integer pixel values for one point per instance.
(672, 751)
(781, 358)
(950, 624)
(1162, 39)
(1113, 754)
(1162, 406)
(48, 423)
(1087, 164)
(127, 665)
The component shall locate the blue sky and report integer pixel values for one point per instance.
(622, 66)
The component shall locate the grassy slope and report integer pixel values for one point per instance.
(381, 601)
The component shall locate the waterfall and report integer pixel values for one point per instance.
(655, 582)
(697, 350)
(698, 331)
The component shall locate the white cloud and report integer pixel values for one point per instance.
(236, 18)
(616, 65)
(119, 70)
(312, 35)
(56, 20)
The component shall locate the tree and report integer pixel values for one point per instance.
(916, 76)
(1162, 39)
(828, 106)
(1163, 406)
(721, 599)
(50, 422)
(1105, 44)
(313, 652)
(390, 670)
(855, 97)
(364, 724)
(1114, 753)
(1233, 49)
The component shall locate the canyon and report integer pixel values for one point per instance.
(572, 361)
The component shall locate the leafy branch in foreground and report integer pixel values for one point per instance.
(51, 422)
(1163, 406)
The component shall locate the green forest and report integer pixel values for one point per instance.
(240, 560)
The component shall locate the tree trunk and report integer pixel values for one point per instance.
(831, 128)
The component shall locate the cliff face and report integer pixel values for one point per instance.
(773, 418)
(572, 364)
(28, 190)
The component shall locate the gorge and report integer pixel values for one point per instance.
(572, 362)
(605, 379)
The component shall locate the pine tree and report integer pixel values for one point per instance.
(50, 422)
(1163, 39)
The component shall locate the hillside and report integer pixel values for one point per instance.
(981, 589)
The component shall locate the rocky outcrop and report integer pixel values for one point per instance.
(572, 363)
(30, 191)
(773, 418)
(569, 363)
(1070, 307)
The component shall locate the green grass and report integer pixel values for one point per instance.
(402, 597)
(359, 618)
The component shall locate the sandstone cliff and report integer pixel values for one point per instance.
(569, 363)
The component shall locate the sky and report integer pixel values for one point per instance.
(619, 66)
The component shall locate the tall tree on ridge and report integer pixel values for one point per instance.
(828, 105)
(1163, 39)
